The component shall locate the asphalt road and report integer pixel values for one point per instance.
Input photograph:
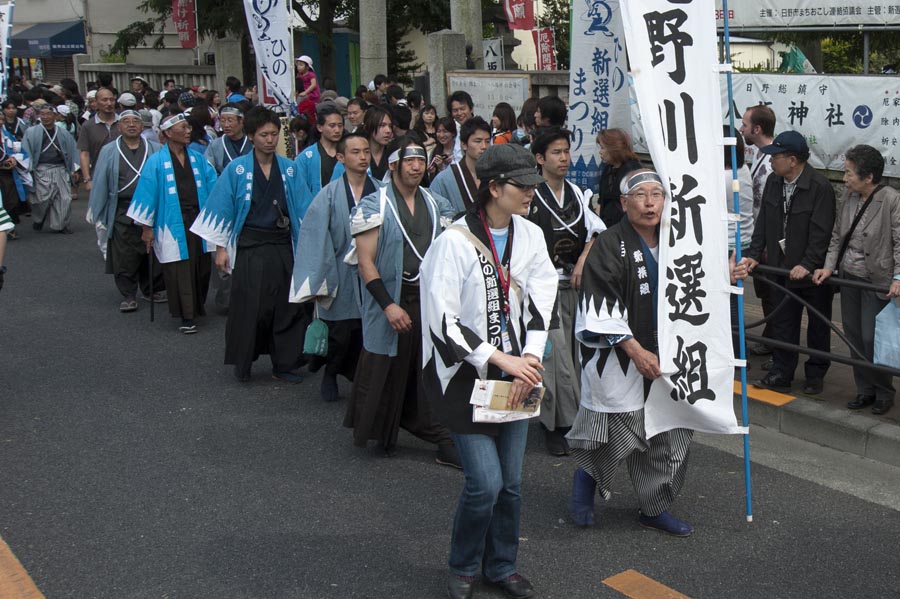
(133, 466)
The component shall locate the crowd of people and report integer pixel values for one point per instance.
(440, 251)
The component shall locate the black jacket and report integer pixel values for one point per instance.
(809, 224)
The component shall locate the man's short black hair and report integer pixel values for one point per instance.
(461, 97)
(363, 105)
(326, 111)
(474, 124)
(546, 136)
(233, 84)
(379, 79)
(258, 116)
(342, 143)
(554, 109)
(395, 91)
(402, 117)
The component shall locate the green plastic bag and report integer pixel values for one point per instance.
(316, 341)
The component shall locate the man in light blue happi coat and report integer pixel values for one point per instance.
(320, 273)
(54, 164)
(392, 229)
(116, 174)
(318, 164)
(253, 219)
(173, 188)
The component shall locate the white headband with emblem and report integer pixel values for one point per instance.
(129, 113)
(629, 183)
(172, 121)
(412, 151)
(231, 110)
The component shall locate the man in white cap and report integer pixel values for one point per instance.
(127, 100)
(116, 176)
(54, 164)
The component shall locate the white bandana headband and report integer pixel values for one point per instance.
(130, 113)
(636, 179)
(408, 152)
(231, 110)
(172, 121)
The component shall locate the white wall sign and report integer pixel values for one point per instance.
(488, 90)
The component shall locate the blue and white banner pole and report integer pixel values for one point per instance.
(737, 257)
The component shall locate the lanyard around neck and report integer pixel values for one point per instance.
(504, 278)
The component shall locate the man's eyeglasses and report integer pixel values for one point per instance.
(642, 196)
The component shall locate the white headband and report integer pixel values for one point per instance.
(636, 179)
(408, 152)
(172, 121)
(128, 113)
(231, 110)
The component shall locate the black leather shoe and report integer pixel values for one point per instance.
(459, 588)
(775, 382)
(812, 386)
(556, 443)
(882, 406)
(861, 402)
(516, 586)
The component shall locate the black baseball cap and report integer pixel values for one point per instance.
(789, 141)
(508, 162)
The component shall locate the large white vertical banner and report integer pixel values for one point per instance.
(272, 43)
(672, 48)
(6, 17)
(598, 87)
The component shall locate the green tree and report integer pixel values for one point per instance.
(222, 18)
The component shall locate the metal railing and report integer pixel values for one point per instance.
(768, 273)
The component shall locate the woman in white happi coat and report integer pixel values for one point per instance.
(484, 322)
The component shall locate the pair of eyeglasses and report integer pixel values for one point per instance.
(520, 186)
(642, 196)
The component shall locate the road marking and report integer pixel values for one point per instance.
(15, 583)
(632, 583)
(764, 395)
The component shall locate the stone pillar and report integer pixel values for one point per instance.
(446, 52)
(228, 62)
(372, 40)
(465, 18)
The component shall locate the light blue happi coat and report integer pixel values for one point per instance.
(445, 184)
(219, 155)
(21, 174)
(35, 139)
(105, 183)
(319, 269)
(309, 166)
(222, 218)
(379, 209)
(155, 203)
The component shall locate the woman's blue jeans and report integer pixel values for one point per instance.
(486, 526)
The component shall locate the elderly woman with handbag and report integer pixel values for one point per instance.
(865, 246)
